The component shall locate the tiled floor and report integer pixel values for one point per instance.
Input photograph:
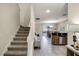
(47, 49)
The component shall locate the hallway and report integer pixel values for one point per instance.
(47, 49)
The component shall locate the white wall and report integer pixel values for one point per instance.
(62, 26)
(24, 14)
(45, 25)
(9, 24)
(73, 13)
(38, 28)
(73, 17)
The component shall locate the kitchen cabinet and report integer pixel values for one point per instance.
(59, 38)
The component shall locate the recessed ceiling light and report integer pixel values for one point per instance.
(47, 11)
(50, 21)
(51, 26)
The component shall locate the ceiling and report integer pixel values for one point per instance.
(57, 10)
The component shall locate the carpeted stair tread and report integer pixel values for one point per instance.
(16, 53)
(24, 29)
(19, 43)
(20, 37)
(21, 34)
(18, 46)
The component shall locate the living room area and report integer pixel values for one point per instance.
(50, 29)
(57, 38)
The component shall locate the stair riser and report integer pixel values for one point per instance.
(18, 43)
(21, 35)
(23, 29)
(17, 49)
(15, 55)
(19, 39)
(22, 32)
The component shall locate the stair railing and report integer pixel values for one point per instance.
(30, 38)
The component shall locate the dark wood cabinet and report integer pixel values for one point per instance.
(58, 39)
(55, 40)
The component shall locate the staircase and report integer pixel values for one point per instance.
(18, 46)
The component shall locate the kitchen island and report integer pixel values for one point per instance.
(59, 38)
